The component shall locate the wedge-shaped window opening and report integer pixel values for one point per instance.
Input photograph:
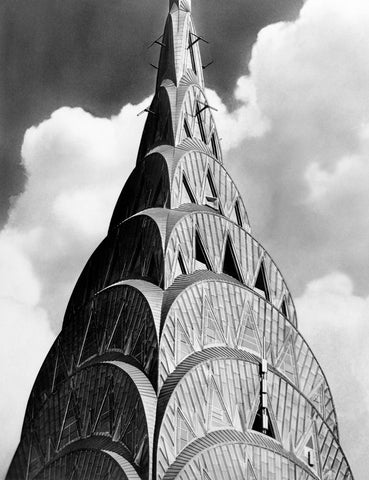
(199, 109)
(201, 260)
(187, 195)
(238, 213)
(187, 128)
(235, 215)
(210, 194)
(263, 423)
(261, 285)
(214, 146)
(192, 53)
(283, 308)
(180, 268)
(230, 266)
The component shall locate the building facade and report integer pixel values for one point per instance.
(180, 355)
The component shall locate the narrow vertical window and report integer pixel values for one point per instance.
(200, 123)
(192, 53)
(179, 268)
(187, 128)
(235, 215)
(238, 213)
(201, 260)
(261, 285)
(230, 266)
(283, 308)
(187, 195)
(211, 196)
(214, 147)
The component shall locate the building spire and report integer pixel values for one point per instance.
(181, 5)
(180, 50)
(179, 98)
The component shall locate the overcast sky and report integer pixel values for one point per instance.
(292, 92)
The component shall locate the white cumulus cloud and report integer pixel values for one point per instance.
(76, 165)
(335, 322)
(310, 168)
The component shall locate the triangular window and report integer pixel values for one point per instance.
(187, 195)
(283, 308)
(209, 186)
(230, 266)
(235, 215)
(200, 122)
(214, 147)
(262, 423)
(179, 268)
(210, 193)
(201, 261)
(187, 128)
(261, 285)
(192, 53)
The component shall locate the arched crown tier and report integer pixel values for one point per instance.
(178, 114)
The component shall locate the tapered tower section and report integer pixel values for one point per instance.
(180, 355)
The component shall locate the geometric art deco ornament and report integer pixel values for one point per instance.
(180, 355)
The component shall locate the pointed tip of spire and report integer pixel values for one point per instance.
(181, 5)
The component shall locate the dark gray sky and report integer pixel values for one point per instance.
(93, 54)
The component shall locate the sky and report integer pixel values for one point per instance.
(291, 85)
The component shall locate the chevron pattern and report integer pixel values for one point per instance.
(180, 355)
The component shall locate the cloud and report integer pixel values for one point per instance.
(93, 54)
(336, 323)
(246, 121)
(76, 165)
(310, 168)
(25, 339)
